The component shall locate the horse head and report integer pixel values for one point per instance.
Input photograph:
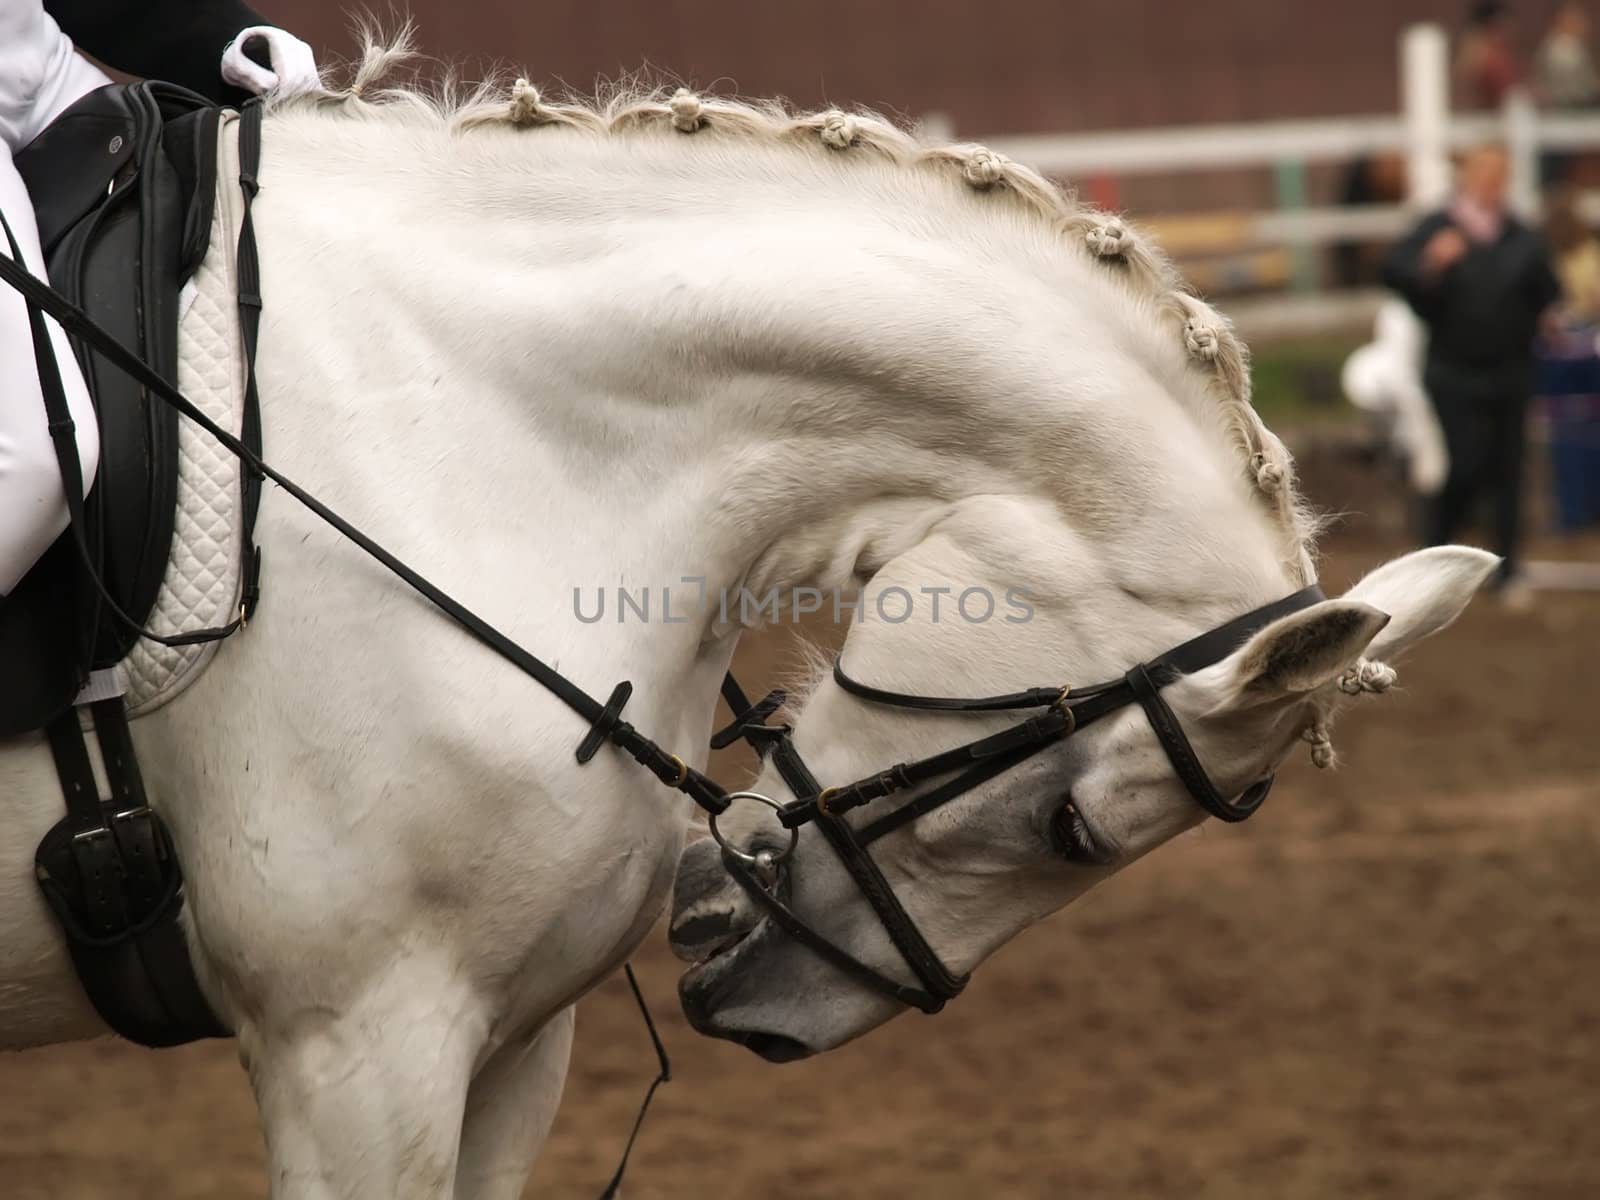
(976, 871)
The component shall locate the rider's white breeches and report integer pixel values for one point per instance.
(40, 74)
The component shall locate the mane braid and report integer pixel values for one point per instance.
(1207, 334)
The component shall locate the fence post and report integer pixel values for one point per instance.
(1289, 183)
(1425, 97)
(1522, 143)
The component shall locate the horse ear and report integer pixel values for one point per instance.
(1424, 590)
(1301, 652)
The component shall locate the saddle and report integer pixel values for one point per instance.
(124, 184)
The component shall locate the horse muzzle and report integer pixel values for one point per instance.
(710, 912)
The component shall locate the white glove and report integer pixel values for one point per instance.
(294, 67)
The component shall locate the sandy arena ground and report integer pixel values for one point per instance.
(1383, 986)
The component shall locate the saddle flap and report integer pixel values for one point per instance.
(40, 630)
(70, 168)
(124, 183)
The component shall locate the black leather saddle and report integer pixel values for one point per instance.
(123, 185)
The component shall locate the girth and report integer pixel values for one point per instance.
(1065, 710)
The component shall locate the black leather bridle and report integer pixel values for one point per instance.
(1062, 711)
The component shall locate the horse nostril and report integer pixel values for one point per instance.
(774, 1047)
(700, 928)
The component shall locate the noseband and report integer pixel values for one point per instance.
(1064, 710)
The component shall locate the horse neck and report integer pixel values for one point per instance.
(622, 363)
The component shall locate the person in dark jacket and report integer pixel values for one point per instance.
(205, 45)
(1483, 284)
(182, 42)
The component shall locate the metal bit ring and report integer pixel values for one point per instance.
(763, 859)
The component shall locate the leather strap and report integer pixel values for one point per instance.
(1029, 698)
(1214, 645)
(606, 723)
(939, 984)
(1196, 654)
(746, 716)
(1009, 746)
(1069, 710)
(923, 960)
(791, 923)
(1185, 762)
(93, 849)
(109, 872)
(248, 270)
(941, 795)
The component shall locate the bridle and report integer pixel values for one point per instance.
(1064, 710)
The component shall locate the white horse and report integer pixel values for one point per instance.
(538, 348)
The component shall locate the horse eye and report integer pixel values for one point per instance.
(1072, 838)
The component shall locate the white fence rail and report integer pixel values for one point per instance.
(1425, 132)
(1262, 143)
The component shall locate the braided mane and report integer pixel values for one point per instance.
(1208, 336)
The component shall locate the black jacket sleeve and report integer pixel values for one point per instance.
(1403, 272)
(1545, 285)
(180, 41)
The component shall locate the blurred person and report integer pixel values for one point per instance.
(204, 45)
(1372, 179)
(1384, 380)
(1486, 66)
(1566, 73)
(1567, 79)
(1484, 286)
(1576, 251)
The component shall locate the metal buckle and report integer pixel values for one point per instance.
(823, 797)
(683, 773)
(1060, 705)
(765, 862)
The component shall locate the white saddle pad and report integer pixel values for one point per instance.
(202, 583)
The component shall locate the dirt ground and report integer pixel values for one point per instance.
(1383, 986)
